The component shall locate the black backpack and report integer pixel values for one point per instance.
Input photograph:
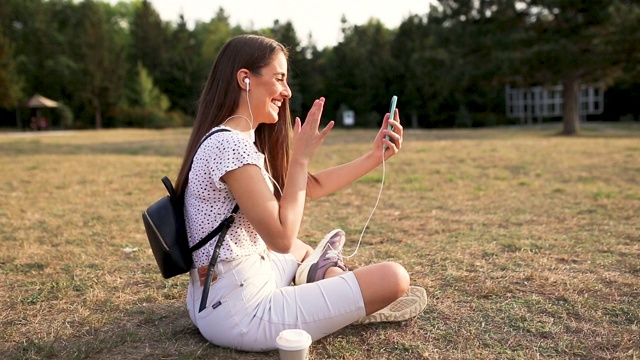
(167, 233)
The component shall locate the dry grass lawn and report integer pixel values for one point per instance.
(528, 245)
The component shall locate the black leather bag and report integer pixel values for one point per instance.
(167, 233)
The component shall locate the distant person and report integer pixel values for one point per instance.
(266, 280)
(43, 124)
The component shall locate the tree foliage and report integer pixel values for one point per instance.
(545, 42)
(10, 83)
(103, 56)
(122, 65)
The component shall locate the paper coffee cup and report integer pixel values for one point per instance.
(293, 344)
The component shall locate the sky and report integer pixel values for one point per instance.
(320, 18)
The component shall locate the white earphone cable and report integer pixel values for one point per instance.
(249, 105)
(249, 121)
(251, 113)
(372, 211)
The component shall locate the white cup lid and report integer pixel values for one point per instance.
(293, 339)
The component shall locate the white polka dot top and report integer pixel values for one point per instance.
(208, 200)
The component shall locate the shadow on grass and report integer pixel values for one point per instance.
(151, 331)
(608, 130)
(162, 148)
(175, 145)
(589, 130)
(164, 331)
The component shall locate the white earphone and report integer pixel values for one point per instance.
(248, 82)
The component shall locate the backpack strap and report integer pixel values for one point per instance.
(169, 186)
(225, 225)
(202, 142)
(215, 231)
(220, 231)
(218, 228)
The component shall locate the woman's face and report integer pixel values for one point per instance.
(267, 91)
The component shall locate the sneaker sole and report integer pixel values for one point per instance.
(408, 306)
(303, 269)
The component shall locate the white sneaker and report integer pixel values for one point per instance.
(327, 254)
(407, 306)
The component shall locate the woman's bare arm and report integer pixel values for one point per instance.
(278, 223)
(335, 178)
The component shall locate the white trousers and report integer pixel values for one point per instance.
(253, 300)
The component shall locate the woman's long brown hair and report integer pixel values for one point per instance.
(220, 98)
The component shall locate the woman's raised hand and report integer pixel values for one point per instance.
(307, 138)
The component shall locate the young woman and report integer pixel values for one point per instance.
(252, 164)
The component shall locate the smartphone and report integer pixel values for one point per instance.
(392, 113)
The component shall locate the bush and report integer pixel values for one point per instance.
(147, 118)
(488, 119)
(463, 117)
(628, 118)
(66, 116)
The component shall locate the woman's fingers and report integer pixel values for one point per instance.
(327, 129)
(308, 136)
(314, 115)
(393, 143)
(396, 134)
(297, 125)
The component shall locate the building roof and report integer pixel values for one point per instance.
(39, 101)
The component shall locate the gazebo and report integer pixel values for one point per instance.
(38, 102)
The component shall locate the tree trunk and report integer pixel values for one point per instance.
(98, 117)
(18, 120)
(414, 120)
(570, 111)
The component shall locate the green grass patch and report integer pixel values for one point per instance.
(527, 244)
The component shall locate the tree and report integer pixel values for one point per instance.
(184, 71)
(33, 42)
(41, 40)
(149, 39)
(10, 83)
(549, 41)
(102, 58)
(286, 35)
(312, 71)
(213, 35)
(467, 35)
(361, 71)
(150, 96)
(424, 75)
(574, 42)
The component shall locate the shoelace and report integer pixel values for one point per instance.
(335, 254)
(331, 253)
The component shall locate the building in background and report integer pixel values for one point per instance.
(544, 102)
